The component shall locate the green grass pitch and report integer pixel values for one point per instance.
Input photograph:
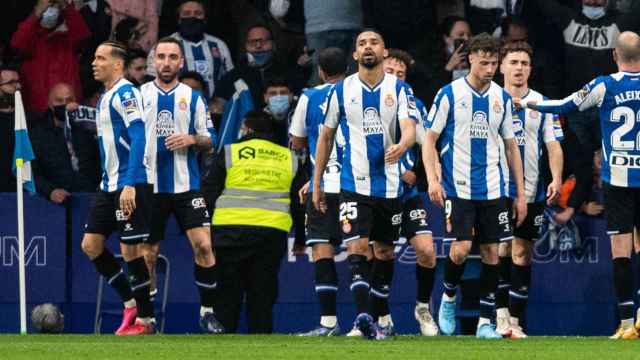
(296, 348)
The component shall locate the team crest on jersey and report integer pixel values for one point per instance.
(164, 124)
(497, 108)
(371, 122)
(202, 66)
(388, 100)
(479, 128)
(182, 104)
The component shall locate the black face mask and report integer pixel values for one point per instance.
(7, 101)
(60, 112)
(192, 29)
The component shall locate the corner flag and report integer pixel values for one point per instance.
(22, 153)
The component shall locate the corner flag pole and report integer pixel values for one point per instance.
(21, 264)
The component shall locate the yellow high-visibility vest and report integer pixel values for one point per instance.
(257, 186)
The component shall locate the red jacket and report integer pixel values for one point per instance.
(50, 57)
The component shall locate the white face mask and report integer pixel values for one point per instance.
(50, 17)
(593, 12)
(279, 8)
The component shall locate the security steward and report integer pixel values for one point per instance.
(250, 184)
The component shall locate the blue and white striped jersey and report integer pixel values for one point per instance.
(532, 129)
(209, 57)
(369, 122)
(618, 97)
(122, 138)
(306, 122)
(410, 157)
(179, 111)
(471, 126)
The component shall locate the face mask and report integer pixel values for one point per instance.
(279, 8)
(192, 29)
(50, 17)
(259, 58)
(279, 105)
(60, 112)
(593, 12)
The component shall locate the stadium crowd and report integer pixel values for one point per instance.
(252, 59)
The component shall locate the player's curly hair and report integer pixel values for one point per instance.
(402, 56)
(485, 43)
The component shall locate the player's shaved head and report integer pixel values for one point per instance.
(628, 47)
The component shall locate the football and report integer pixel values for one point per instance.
(47, 318)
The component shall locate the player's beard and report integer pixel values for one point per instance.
(167, 78)
(370, 64)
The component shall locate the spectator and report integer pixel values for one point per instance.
(56, 166)
(127, 32)
(447, 60)
(286, 21)
(145, 11)
(589, 35)
(259, 63)
(279, 99)
(97, 16)
(137, 67)
(49, 39)
(9, 84)
(204, 53)
(331, 23)
(403, 23)
(194, 80)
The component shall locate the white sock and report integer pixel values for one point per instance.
(147, 320)
(626, 323)
(204, 310)
(328, 321)
(385, 320)
(514, 321)
(482, 321)
(130, 303)
(502, 313)
(446, 297)
(421, 304)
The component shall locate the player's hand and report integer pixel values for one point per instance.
(563, 216)
(409, 177)
(592, 208)
(302, 193)
(517, 103)
(553, 191)
(436, 193)
(318, 200)
(394, 153)
(179, 141)
(520, 210)
(128, 200)
(59, 196)
(458, 58)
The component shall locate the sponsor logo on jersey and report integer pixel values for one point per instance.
(396, 219)
(479, 128)
(121, 215)
(371, 122)
(417, 214)
(164, 124)
(624, 160)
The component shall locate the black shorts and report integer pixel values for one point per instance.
(375, 218)
(323, 228)
(415, 219)
(489, 218)
(622, 209)
(105, 215)
(189, 208)
(530, 227)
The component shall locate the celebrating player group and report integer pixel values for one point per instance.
(377, 157)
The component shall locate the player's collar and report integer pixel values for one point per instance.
(371, 88)
(166, 92)
(483, 94)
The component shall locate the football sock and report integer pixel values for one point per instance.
(488, 285)
(359, 268)
(424, 281)
(107, 265)
(206, 283)
(326, 286)
(381, 277)
(502, 294)
(622, 278)
(519, 293)
(452, 276)
(139, 280)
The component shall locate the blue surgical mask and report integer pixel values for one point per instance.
(593, 12)
(259, 58)
(50, 17)
(279, 105)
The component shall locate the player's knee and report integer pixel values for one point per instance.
(202, 247)
(458, 252)
(425, 256)
(91, 247)
(504, 250)
(521, 256)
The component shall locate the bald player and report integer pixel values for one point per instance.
(618, 98)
